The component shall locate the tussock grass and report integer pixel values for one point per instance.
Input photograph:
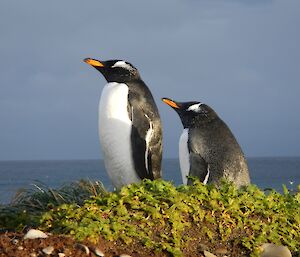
(41, 196)
(28, 204)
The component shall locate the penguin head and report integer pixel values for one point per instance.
(192, 114)
(115, 70)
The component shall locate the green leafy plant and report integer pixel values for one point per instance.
(162, 217)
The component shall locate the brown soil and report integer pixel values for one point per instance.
(13, 244)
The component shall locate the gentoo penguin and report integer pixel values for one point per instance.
(207, 148)
(129, 124)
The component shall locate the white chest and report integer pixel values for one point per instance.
(113, 102)
(115, 134)
(184, 156)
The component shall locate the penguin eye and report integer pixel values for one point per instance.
(195, 108)
(122, 64)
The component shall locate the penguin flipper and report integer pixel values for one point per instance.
(198, 168)
(139, 155)
(141, 142)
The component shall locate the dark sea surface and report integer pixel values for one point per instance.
(265, 173)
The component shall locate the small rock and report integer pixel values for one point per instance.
(98, 252)
(221, 251)
(15, 241)
(83, 248)
(208, 254)
(124, 255)
(34, 233)
(272, 250)
(48, 250)
(32, 255)
(20, 248)
(61, 255)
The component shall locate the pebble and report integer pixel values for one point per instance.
(48, 250)
(61, 255)
(124, 255)
(272, 250)
(98, 252)
(208, 254)
(15, 241)
(221, 251)
(32, 255)
(34, 233)
(20, 248)
(83, 248)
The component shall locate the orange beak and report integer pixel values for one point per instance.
(170, 103)
(93, 62)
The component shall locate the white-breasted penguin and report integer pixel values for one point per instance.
(129, 124)
(207, 148)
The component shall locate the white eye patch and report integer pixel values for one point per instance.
(122, 64)
(195, 107)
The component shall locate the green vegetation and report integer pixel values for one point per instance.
(161, 216)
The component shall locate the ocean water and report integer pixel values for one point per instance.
(264, 172)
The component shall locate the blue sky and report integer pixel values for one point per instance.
(240, 57)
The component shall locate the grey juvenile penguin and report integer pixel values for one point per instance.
(129, 124)
(207, 148)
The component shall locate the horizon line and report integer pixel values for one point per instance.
(168, 158)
